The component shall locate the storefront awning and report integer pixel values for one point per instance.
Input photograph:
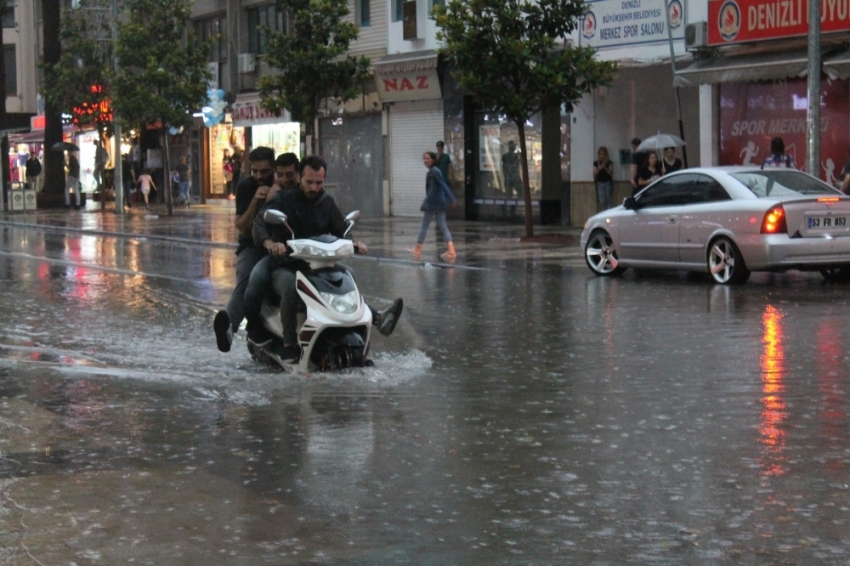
(744, 68)
(36, 136)
(837, 65)
(406, 62)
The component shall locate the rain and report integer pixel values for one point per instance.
(523, 412)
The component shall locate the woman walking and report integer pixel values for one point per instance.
(603, 174)
(437, 197)
(145, 183)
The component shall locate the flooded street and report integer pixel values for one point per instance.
(523, 412)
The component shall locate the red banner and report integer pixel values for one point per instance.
(751, 114)
(736, 21)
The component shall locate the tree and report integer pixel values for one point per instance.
(311, 59)
(80, 77)
(162, 69)
(514, 57)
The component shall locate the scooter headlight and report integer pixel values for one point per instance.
(344, 304)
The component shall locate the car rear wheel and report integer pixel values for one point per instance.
(725, 263)
(837, 274)
(600, 254)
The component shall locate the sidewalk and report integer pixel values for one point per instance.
(388, 238)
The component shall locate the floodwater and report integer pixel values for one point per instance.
(520, 414)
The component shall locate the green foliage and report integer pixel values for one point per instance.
(311, 59)
(162, 68)
(513, 55)
(85, 60)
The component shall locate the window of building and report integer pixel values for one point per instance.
(9, 15)
(398, 14)
(213, 29)
(11, 70)
(363, 13)
(70, 4)
(260, 21)
(433, 3)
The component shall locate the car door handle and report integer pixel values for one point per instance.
(671, 219)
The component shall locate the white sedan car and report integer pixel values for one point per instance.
(726, 221)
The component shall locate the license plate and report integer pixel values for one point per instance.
(826, 222)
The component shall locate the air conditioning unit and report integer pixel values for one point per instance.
(247, 62)
(696, 35)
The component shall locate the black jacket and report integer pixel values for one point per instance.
(308, 218)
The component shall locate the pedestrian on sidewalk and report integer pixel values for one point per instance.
(33, 170)
(437, 197)
(603, 174)
(183, 180)
(73, 180)
(145, 184)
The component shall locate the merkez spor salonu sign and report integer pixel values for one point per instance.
(737, 21)
(614, 23)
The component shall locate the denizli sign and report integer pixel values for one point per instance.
(737, 21)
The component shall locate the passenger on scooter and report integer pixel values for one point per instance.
(310, 212)
(251, 194)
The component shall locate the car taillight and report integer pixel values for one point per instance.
(774, 221)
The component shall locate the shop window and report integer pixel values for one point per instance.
(214, 30)
(499, 166)
(11, 70)
(9, 15)
(363, 13)
(260, 21)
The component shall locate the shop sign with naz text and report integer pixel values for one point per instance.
(614, 23)
(737, 21)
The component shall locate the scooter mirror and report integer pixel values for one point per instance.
(350, 220)
(274, 217)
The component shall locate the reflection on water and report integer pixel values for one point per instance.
(773, 413)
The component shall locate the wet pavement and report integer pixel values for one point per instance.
(524, 411)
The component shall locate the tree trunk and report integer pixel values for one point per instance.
(4, 142)
(529, 219)
(166, 181)
(54, 161)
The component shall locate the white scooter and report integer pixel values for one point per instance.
(334, 331)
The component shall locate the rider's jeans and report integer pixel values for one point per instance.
(237, 307)
(283, 281)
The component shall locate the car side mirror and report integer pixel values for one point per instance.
(274, 217)
(630, 203)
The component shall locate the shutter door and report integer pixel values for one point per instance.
(415, 127)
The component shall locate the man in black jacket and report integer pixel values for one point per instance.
(310, 212)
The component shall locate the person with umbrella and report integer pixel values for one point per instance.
(670, 162)
(650, 171)
(73, 180)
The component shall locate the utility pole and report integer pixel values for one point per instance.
(813, 94)
(676, 88)
(118, 171)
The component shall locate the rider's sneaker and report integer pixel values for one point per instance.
(223, 332)
(387, 320)
(290, 354)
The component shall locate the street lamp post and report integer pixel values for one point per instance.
(118, 171)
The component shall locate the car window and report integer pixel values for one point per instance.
(782, 182)
(709, 189)
(672, 190)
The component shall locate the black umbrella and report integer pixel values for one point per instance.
(64, 146)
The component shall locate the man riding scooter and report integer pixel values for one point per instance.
(311, 212)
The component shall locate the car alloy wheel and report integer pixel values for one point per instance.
(725, 263)
(600, 254)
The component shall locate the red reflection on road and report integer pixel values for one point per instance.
(773, 412)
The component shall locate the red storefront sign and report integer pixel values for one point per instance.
(751, 114)
(736, 21)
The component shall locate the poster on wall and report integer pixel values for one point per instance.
(489, 148)
(751, 114)
(283, 137)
